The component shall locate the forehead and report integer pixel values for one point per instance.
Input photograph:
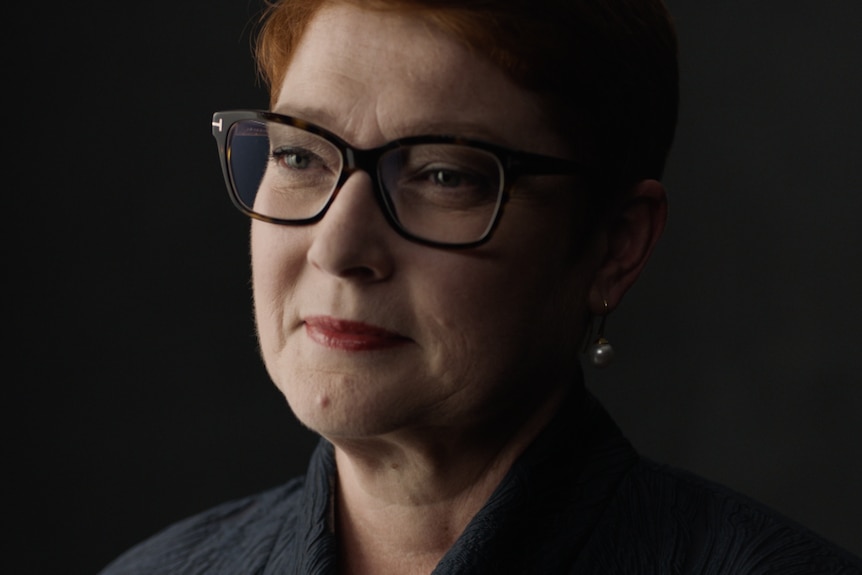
(374, 75)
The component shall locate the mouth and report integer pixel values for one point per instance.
(350, 335)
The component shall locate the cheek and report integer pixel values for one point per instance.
(547, 294)
(487, 311)
(276, 262)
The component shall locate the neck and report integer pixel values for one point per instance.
(403, 500)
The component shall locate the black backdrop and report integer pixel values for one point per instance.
(137, 396)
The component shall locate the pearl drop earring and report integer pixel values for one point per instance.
(601, 352)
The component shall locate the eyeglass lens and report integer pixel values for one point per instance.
(441, 192)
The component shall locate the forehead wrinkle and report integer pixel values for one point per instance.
(433, 84)
(369, 92)
(349, 112)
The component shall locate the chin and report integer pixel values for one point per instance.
(337, 405)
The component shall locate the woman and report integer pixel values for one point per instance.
(443, 199)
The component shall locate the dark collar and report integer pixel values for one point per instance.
(538, 518)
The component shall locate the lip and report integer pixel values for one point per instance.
(349, 335)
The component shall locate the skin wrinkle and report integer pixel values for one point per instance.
(416, 458)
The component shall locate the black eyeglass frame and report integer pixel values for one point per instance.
(514, 163)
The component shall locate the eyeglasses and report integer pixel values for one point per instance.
(437, 190)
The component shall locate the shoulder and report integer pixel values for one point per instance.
(678, 521)
(231, 537)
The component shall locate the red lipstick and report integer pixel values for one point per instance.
(350, 335)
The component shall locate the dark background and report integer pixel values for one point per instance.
(137, 394)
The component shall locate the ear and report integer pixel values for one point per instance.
(628, 241)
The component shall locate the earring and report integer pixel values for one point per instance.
(601, 351)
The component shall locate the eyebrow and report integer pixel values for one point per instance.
(314, 114)
(422, 127)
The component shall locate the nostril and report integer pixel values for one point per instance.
(359, 273)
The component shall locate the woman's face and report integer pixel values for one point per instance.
(368, 333)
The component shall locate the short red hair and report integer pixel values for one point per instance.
(607, 68)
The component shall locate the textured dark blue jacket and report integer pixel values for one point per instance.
(580, 500)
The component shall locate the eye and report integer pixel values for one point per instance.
(293, 158)
(451, 179)
(443, 177)
(447, 178)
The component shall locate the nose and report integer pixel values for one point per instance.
(353, 239)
